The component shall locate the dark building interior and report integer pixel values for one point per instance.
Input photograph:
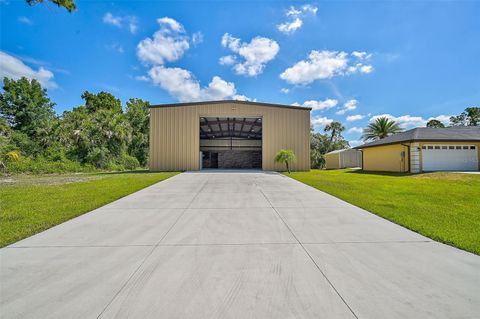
(231, 143)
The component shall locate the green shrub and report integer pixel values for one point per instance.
(55, 153)
(99, 157)
(114, 167)
(41, 165)
(129, 162)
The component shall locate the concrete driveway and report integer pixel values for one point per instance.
(235, 245)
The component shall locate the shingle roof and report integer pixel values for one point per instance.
(454, 133)
(231, 101)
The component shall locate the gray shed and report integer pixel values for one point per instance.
(347, 158)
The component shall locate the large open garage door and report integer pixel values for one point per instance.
(231, 142)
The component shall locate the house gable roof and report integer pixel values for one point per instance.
(443, 134)
(231, 101)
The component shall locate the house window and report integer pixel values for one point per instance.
(451, 147)
(424, 147)
(437, 147)
(444, 147)
(430, 147)
(458, 147)
(465, 147)
(472, 147)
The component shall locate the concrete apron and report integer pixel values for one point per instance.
(235, 245)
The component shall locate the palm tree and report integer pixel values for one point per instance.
(285, 156)
(336, 129)
(381, 128)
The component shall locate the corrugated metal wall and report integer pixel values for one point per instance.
(175, 133)
(350, 158)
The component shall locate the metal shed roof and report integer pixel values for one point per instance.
(341, 151)
(232, 101)
(443, 134)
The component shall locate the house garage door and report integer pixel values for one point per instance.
(449, 158)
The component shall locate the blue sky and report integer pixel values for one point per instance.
(351, 61)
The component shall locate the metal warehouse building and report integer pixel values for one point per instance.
(227, 135)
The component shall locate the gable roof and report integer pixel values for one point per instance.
(445, 134)
(231, 101)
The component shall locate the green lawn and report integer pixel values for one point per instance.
(442, 206)
(30, 204)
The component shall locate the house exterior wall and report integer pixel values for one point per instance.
(332, 161)
(175, 133)
(386, 158)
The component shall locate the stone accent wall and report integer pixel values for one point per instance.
(414, 158)
(235, 159)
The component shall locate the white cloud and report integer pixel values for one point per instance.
(25, 20)
(320, 121)
(366, 68)
(115, 47)
(227, 60)
(354, 143)
(240, 97)
(182, 85)
(169, 43)
(355, 130)
(310, 8)
(322, 65)
(197, 38)
(256, 54)
(408, 121)
(350, 105)
(445, 119)
(290, 26)
(130, 22)
(361, 55)
(293, 12)
(285, 90)
(353, 118)
(109, 18)
(14, 68)
(142, 78)
(295, 18)
(320, 105)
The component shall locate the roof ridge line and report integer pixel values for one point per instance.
(229, 101)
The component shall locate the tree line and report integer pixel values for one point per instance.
(100, 134)
(103, 134)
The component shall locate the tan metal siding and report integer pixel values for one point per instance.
(175, 136)
(332, 161)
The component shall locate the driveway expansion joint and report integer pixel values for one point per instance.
(150, 252)
(310, 257)
(166, 251)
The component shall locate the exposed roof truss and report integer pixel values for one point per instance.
(230, 127)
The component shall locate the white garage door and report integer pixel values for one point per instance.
(449, 158)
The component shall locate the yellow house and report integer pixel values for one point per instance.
(425, 149)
